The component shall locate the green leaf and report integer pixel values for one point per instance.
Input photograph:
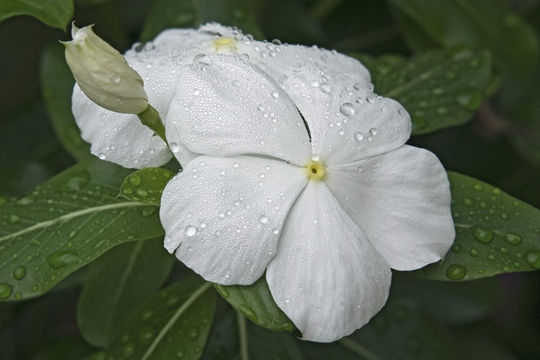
(224, 342)
(187, 13)
(173, 323)
(66, 223)
(56, 88)
(495, 234)
(256, 303)
(401, 331)
(438, 88)
(117, 282)
(55, 13)
(169, 14)
(487, 24)
(146, 185)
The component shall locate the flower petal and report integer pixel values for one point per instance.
(326, 277)
(225, 106)
(401, 200)
(121, 138)
(223, 216)
(347, 121)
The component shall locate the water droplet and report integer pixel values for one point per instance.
(315, 157)
(175, 148)
(347, 109)
(275, 231)
(101, 156)
(5, 290)
(193, 333)
(190, 230)
(456, 272)
(19, 273)
(196, 92)
(248, 312)
(275, 94)
(484, 236)
(533, 258)
(263, 219)
(146, 335)
(142, 192)
(373, 131)
(135, 180)
(13, 219)
(473, 252)
(325, 88)
(513, 239)
(61, 259)
(358, 136)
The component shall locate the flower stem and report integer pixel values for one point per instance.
(358, 349)
(242, 334)
(150, 117)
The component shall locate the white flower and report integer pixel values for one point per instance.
(103, 74)
(122, 139)
(326, 212)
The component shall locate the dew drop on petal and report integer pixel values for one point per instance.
(190, 230)
(263, 219)
(347, 109)
(358, 136)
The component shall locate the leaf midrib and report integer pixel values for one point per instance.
(174, 318)
(73, 215)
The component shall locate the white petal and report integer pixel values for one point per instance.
(327, 277)
(401, 200)
(181, 40)
(121, 138)
(226, 106)
(224, 215)
(346, 119)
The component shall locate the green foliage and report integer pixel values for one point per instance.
(146, 185)
(224, 342)
(488, 24)
(495, 234)
(186, 13)
(256, 303)
(116, 284)
(56, 86)
(55, 13)
(64, 224)
(172, 323)
(439, 88)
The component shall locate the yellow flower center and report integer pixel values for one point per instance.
(224, 43)
(315, 170)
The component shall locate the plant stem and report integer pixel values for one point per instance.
(150, 117)
(242, 334)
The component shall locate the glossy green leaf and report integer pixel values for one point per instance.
(495, 234)
(439, 88)
(166, 14)
(401, 331)
(66, 223)
(262, 344)
(488, 24)
(256, 303)
(55, 13)
(117, 282)
(56, 87)
(187, 13)
(171, 324)
(146, 185)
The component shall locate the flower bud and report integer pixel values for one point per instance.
(103, 74)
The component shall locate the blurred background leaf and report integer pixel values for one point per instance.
(55, 13)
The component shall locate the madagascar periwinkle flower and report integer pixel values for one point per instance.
(103, 74)
(293, 169)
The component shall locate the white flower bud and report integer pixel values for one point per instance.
(103, 74)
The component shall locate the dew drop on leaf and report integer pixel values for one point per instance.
(456, 272)
(533, 258)
(61, 259)
(484, 236)
(19, 272)
(5, 290)
(513, 239)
